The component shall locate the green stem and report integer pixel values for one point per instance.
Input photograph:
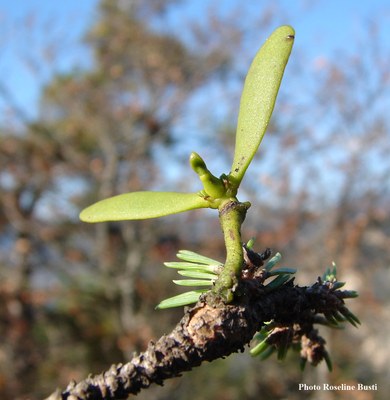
(231, 216)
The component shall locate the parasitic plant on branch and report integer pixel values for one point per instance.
(245, 297)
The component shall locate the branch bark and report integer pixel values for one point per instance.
(208, 332)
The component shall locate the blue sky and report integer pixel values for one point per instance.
(23, 26)
(321, 26)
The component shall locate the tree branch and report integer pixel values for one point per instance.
(206, 333)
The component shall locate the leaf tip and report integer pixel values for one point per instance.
(86, 216)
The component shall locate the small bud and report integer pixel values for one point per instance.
(197, 164)
(250, 243)
(212, 185)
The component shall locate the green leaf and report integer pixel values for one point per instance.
(319, 319)
(192, 282)
(198, 275)
(142, 205)
(267, 353)
(278, 281)
(351, 318)
(331, 319)
(328, 361)
(281, 271)
(338, 285)
(181, 299)
(337, 316)
(282, 351)
(259, 348)
(348, 294)
(191, 266)
(258, 98)
(272, 262)
(191, 256)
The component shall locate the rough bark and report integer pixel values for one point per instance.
(208, 332)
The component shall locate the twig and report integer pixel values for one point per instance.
(207, 333)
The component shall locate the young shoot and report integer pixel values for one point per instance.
(257, 103)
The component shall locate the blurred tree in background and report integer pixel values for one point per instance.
(76, 298)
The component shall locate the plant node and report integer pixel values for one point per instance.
(231, 216)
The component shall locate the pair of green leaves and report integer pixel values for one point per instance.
(257, 103)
